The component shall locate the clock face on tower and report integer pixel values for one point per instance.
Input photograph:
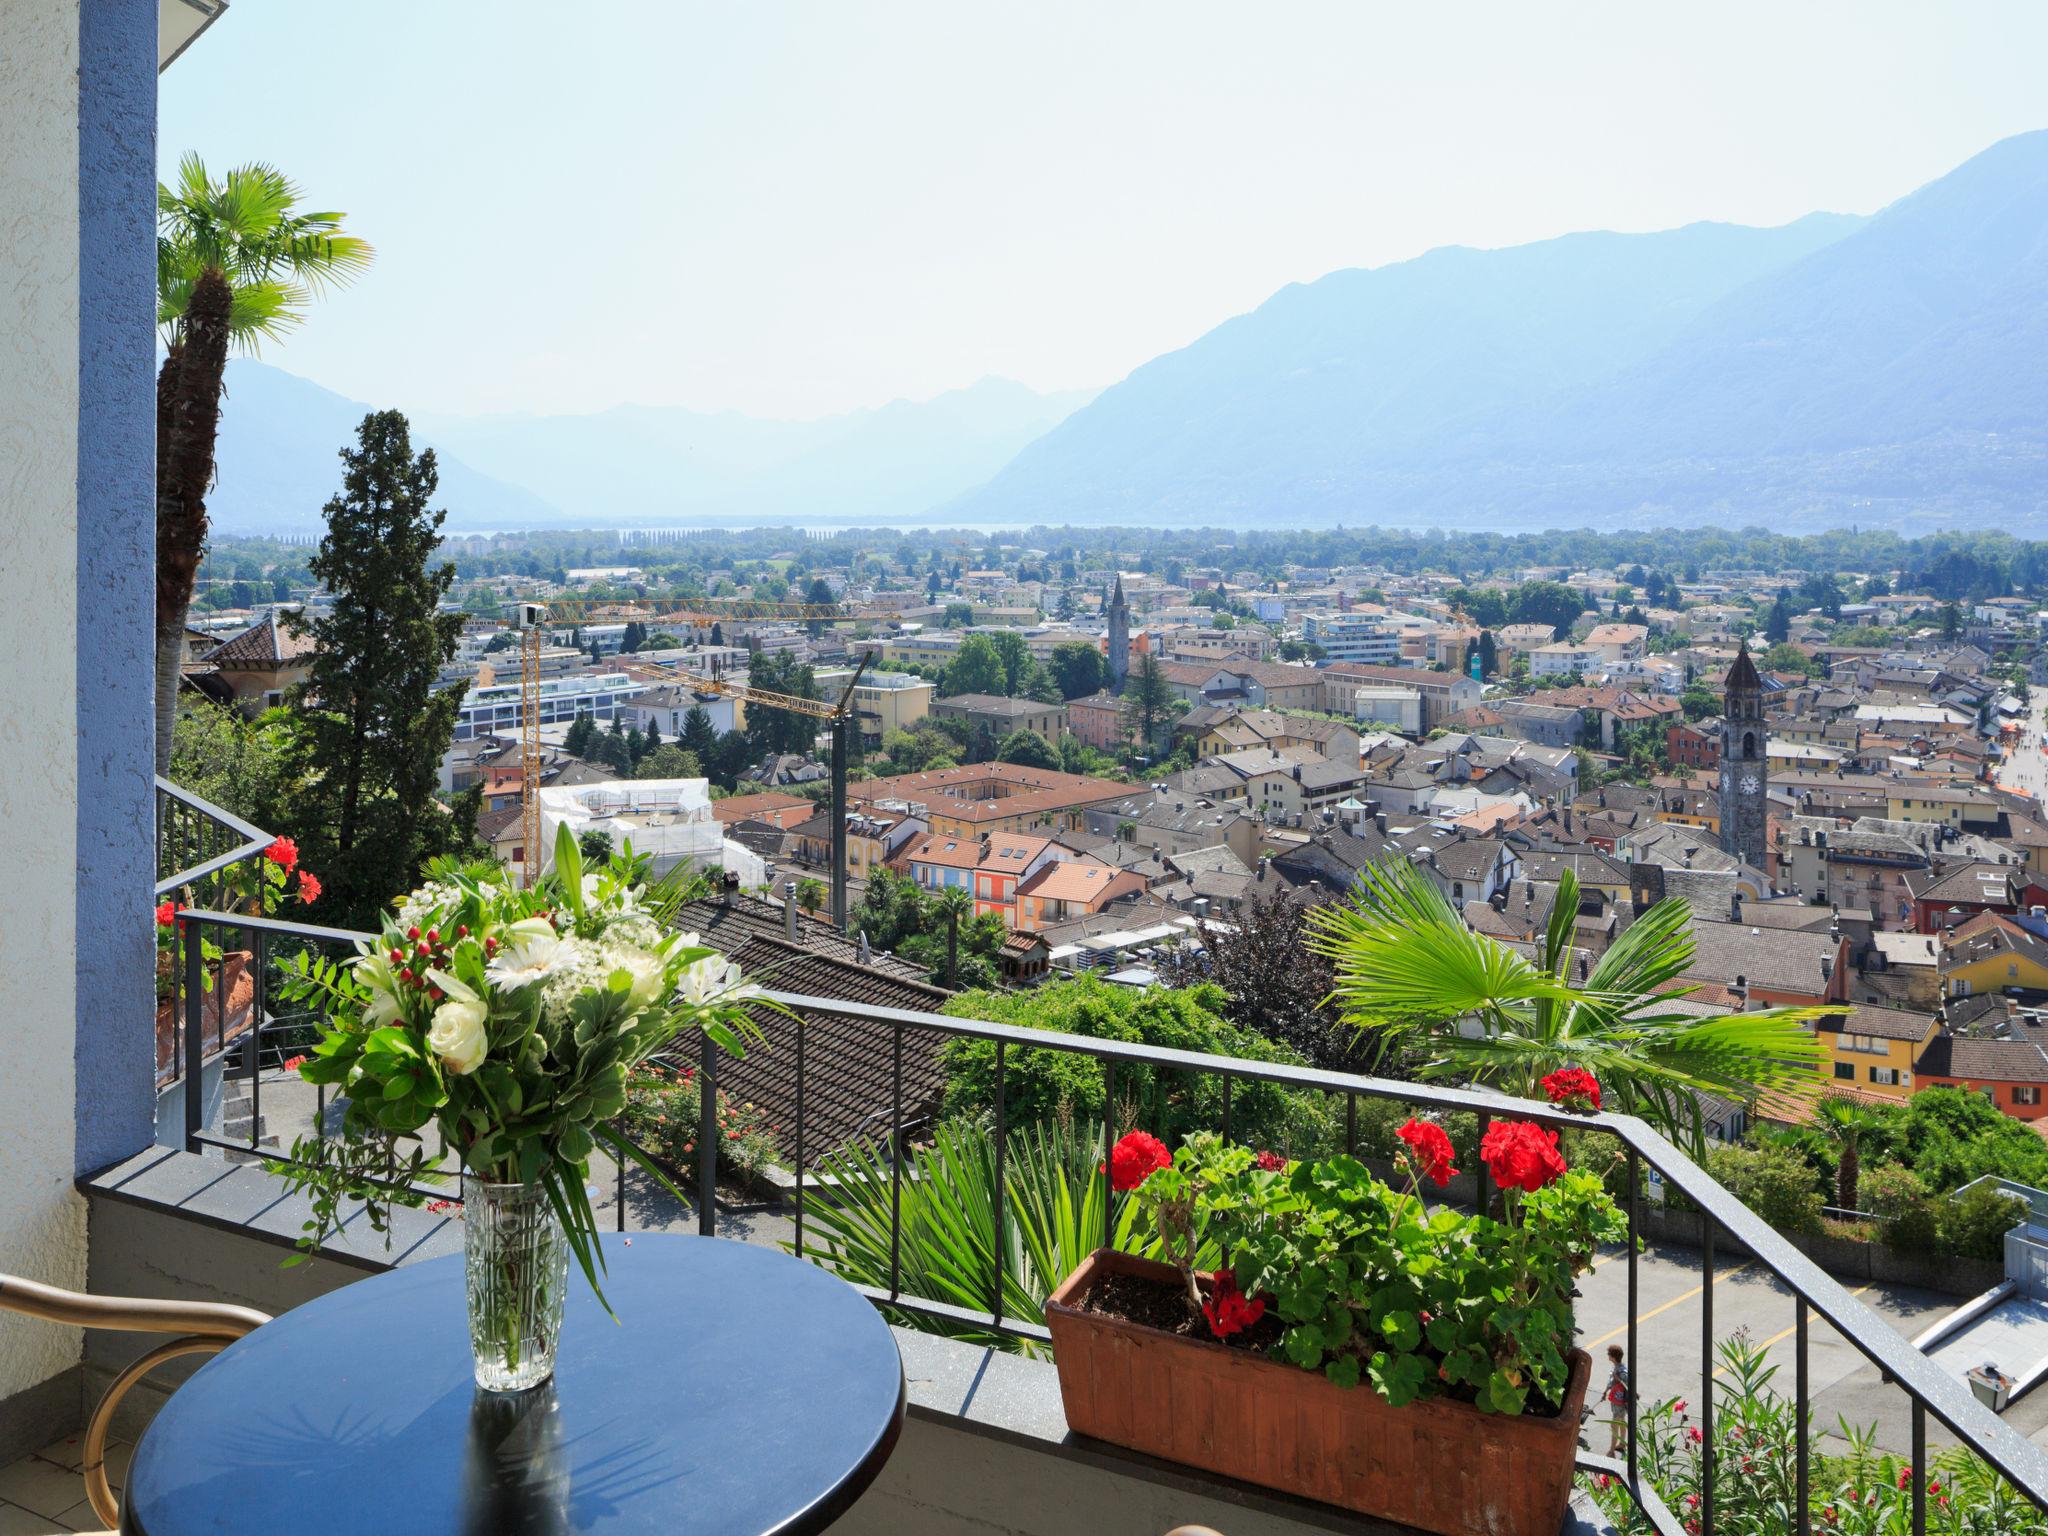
(1749, 783)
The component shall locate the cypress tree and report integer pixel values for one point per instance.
(369, 726)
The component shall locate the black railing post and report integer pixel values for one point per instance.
(1919, 1468)
(1226, 1110)
(995, 1305)
(1635, 1359)
(1351, 1123)
(1803, 1519)
(896, 1161)
(1482, 1188)
(189, 932)
(707, 1142)
(1707, 1378)
(1108, 1150)
(799, 1135)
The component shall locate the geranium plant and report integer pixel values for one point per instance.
(1368, 1282)
(507, 1020)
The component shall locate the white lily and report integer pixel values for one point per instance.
(374, 971)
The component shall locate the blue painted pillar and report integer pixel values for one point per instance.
(115, 1050)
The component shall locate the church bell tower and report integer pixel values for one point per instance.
(1745, 765)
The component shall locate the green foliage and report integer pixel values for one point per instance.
(1053, 1192)
(1372, 1285)
(1973, 1225)
(668, 762)
(1410, 970)
(977, 667)
(1047, 1085)
(1756, 1435)
(1078, 669)
(236, 764)
(1029, 749)
(1907, 1216)
(664, 1110)
(1775, 1182)
(369, 726)
(780, 730)
(1149, 702)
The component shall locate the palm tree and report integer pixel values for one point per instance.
(236, 264)
(1409, 968)
(1847, 1123)
(953, 903)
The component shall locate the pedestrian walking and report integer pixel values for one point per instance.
(1617, 1398)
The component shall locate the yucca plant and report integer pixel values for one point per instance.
(1473, 1010)
(1052, 1219)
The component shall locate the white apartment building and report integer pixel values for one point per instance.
(1563, 658)
(1366, 637)
(495, 711)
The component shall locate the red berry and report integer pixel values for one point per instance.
(436, 993)
(397, 955)
(420, 949)
(412, 933)
(433, 935)
(462, 930)
(408, 976)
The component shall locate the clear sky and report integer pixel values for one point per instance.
(796, 209)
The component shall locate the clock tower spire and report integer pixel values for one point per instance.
(1745, 764)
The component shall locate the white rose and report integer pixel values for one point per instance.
(458, 1036)
(646, 972)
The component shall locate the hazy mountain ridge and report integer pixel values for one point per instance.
(1833, 370)
(632, 464)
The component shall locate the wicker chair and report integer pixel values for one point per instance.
(202, 1328)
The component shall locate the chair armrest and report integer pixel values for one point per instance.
(202, 1319)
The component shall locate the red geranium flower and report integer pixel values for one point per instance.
(1228, 1309)
(1133, 1159)
(166, 913)
(284, 853)
(1573, 1087)
(1520, 1155)
(309, 887)
(1272, 1162)
(1430, 1150)
(293, 1063)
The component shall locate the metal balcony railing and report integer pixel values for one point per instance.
(197, 841)
(1931, 1392)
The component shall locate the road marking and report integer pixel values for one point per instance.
(1785, 1333)
(1615, 1333)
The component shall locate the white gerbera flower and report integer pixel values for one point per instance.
(531, 958)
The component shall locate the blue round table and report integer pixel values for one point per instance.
(742, 1391)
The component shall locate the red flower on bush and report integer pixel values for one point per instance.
(1272, 1162)
(1430, 1150)
(1228, 1309)
(293, 1063)
(1573, 1088)
(1134, 1158)
(309, 887)
(284, 853)
(1520, 1155)
(166, 913)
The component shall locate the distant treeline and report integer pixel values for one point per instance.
(1949, 566)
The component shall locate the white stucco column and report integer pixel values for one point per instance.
(77, 125)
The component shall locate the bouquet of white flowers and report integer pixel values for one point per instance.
(508, 1019)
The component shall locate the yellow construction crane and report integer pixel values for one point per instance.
(537, 620)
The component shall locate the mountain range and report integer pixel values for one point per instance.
(633, 466)
(1879, 371)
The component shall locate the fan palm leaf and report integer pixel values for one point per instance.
(1408, 966)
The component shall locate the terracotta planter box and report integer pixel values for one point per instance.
(229, 1009)
(1436, 1465)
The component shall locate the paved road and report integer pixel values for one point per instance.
(1749, 1300)
(2026, 767)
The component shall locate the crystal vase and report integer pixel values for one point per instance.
(517, 1265)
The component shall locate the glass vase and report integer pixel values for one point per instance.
(517, 1265)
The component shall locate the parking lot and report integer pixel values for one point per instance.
(1749, 1300)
